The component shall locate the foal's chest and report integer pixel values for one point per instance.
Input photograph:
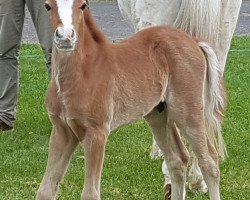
(88, 105)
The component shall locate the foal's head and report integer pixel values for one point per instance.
(65, 16)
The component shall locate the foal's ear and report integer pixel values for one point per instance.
(84, 5)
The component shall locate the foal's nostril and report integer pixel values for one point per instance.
(58, 35)
(72, 33)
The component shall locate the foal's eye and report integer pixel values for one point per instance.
(83, 6)
(47, 6)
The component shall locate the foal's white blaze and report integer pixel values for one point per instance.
(65, 13)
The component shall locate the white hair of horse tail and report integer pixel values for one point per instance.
(215, 100)
(200, 18)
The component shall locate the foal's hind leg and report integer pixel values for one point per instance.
(167, 137)
(207, 158)
(62, 145)
(195, 178)
(191, 121)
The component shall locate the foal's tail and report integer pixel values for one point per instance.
(215, 101)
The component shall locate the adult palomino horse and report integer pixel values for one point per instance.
(160, 73)
(212, 20)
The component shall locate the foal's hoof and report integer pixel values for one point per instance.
(167, 192)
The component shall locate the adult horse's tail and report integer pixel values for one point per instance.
(215, 101)
(200, 18)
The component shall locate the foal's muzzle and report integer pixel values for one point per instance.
(65, 39)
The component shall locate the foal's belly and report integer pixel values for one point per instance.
(130, 110)
(125, 118)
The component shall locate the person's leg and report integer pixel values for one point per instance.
(11, 25)
(41, 22)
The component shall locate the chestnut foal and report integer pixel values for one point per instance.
(161, 74)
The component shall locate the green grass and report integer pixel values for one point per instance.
(128, 172)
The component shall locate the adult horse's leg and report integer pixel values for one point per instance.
(62, 145)
(195, 177)
(155, 152)
(229, 17)
(167, 180)
(175, 153)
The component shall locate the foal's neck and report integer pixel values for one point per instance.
(91, 30)
(71, 68)
(90, 37)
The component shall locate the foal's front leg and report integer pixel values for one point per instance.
(94, 149)
(62, 145)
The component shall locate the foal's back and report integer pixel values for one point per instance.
(162, 48)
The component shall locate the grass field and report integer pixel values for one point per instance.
(128, 173)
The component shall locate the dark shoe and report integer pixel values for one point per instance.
(5, 127)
